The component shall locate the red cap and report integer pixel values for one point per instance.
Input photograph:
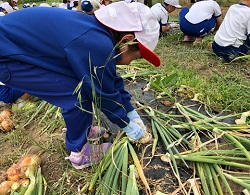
(148, 55)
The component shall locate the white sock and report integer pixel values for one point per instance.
(76, 154)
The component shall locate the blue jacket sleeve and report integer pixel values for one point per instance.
(126, 97)
(90, 57)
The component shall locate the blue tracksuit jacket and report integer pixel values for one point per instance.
(47, 51)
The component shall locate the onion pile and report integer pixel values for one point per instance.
(24, 177)
(5, 121)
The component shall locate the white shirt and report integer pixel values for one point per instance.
(203, 10)
(234, 27)
(160, 12)
(62, 5)
(130, 1)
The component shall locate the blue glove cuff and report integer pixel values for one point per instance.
(133, 114)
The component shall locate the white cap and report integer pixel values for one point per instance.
(62, 5)
(71, 4)
(44, 5)
(174, 3)
(53, 4)
(7, 7)
(133, 17)
(15, 1)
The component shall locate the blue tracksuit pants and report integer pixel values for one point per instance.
(231, 52)
(196, 30)
(56, 89)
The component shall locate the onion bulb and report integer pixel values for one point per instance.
(5, 187)
(4, 115)
(14, 173)
(7, 125)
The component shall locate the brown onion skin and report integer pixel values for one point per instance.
(7, 125)
(4, 115)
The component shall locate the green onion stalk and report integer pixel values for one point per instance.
(238, 181)
(132, 187)
(111, 175)
(110, 181)
(208, 170)
(106, 161)
(207, 159)
(204, 184)
(216, 180)
(170, 137)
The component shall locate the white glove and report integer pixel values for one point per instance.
(139, 122)
(134, 117)
(174, 25)
(133, 131)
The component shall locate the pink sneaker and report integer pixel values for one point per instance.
(96, 133)
(188, 38)
(198, 38)
(90, 154)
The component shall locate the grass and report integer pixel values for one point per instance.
(221, 85)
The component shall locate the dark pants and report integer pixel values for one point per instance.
(229, 53)
(196, 30)
(56, 89)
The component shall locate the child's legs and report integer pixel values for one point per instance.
(56, 89)
(184, 24)
(247, 42)
(228, 53)
(207, 25)
(203, 28)
(246, 46)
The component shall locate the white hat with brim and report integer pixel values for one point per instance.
(71, 4)
(7, 7)
(174, 3)
(133, 17)
(62, 5)
(44, 5)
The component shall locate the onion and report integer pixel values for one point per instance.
(14, 173)
(5, 187)
(4, 115)
(15, 186)
(7, 125)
